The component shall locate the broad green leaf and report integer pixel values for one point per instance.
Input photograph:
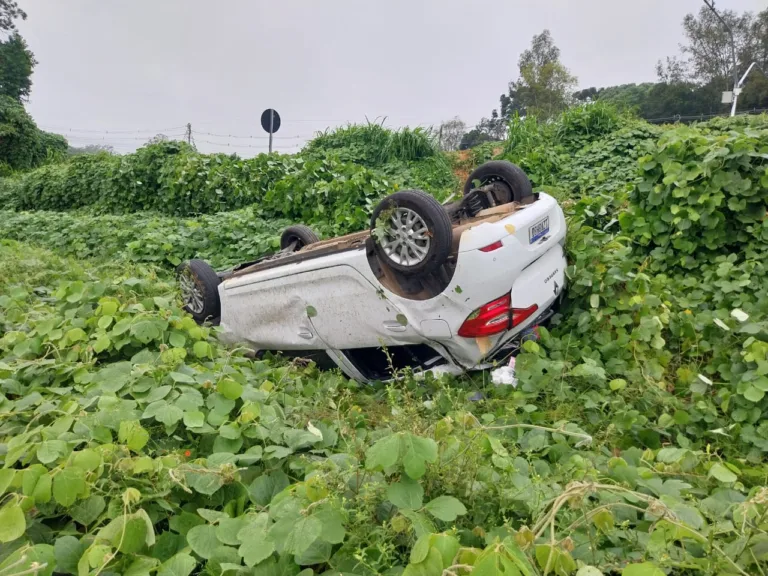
(256, 543)
(603, 520)
(88, 460)
(229, 389)
(589, 571)
(722, 473)
(6, 477)
(133, 435)
(448, 546)
(421, 524)
(88, 511)
(202, 349)
(642, 569)
(68, 485)
(68, 550)
(228, 529)
(194, 419)
(420, 549)
(319, 552)
(417, 451)
(37, 560)
(384, 453)
(305, 531)
(432, 565)
(203, 480)
(51, 450)
(178, 565)
(333, 523)
(177, 340)
(446, 508)
(169, 415)
(12, 522)
(495, 562)
(131, 535)
(406, 494)
(203, 541)
(559, 561)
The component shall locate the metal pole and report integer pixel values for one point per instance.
(271, 128)
(711, 5)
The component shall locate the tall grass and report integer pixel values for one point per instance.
(373, 145)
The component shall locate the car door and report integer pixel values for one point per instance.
(347, 311)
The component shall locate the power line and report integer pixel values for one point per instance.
(254, 137)
(260, 147)
(83, 130)
(680, 118)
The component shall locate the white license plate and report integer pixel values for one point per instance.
(538, 230)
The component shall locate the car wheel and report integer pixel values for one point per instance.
(298, 236)
(199, 286)
(509, 182)
(411, 232)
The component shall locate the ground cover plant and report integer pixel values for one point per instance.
(635, 443)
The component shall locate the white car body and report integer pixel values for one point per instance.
(336, 302)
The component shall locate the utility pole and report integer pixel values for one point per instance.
(188, 135)
(711, 5)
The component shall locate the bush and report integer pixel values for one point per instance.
(373, 145)
(22, 145)
(701, 195)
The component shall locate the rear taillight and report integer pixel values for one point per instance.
(520, 315)
(494, 317)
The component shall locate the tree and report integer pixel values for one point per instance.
(16, 65)
(22, 144)
(451, 133)
(544, 86)
(473, 138)
(9, 11)
(90, 149)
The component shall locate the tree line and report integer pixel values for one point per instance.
(689, 84)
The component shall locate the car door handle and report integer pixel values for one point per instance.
(306, 334)
(394, 326)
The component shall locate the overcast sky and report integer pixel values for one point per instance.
(150, 65)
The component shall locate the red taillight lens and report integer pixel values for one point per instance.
(520, 315)
(494, 317)
(491, 318)
(492, 247)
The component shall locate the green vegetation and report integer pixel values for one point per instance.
(343, 174)
(134, 442)
(22, 144)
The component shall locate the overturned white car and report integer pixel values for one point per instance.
(434, 287)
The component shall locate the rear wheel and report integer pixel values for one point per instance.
(411, 232)
(507, 182)
(199, 286)
(297, 236)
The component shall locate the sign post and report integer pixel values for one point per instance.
(270, 121)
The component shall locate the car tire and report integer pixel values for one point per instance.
(299, 234)
(199, 285)
(424, 223)
(516, 187)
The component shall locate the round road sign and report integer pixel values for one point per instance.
(270, 119)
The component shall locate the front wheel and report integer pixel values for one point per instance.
(412, 232)
(507, 181)
(199, 286)
(296, 237)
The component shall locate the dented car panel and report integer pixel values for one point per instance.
(338, 301)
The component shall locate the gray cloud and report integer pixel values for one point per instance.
(149, 64)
